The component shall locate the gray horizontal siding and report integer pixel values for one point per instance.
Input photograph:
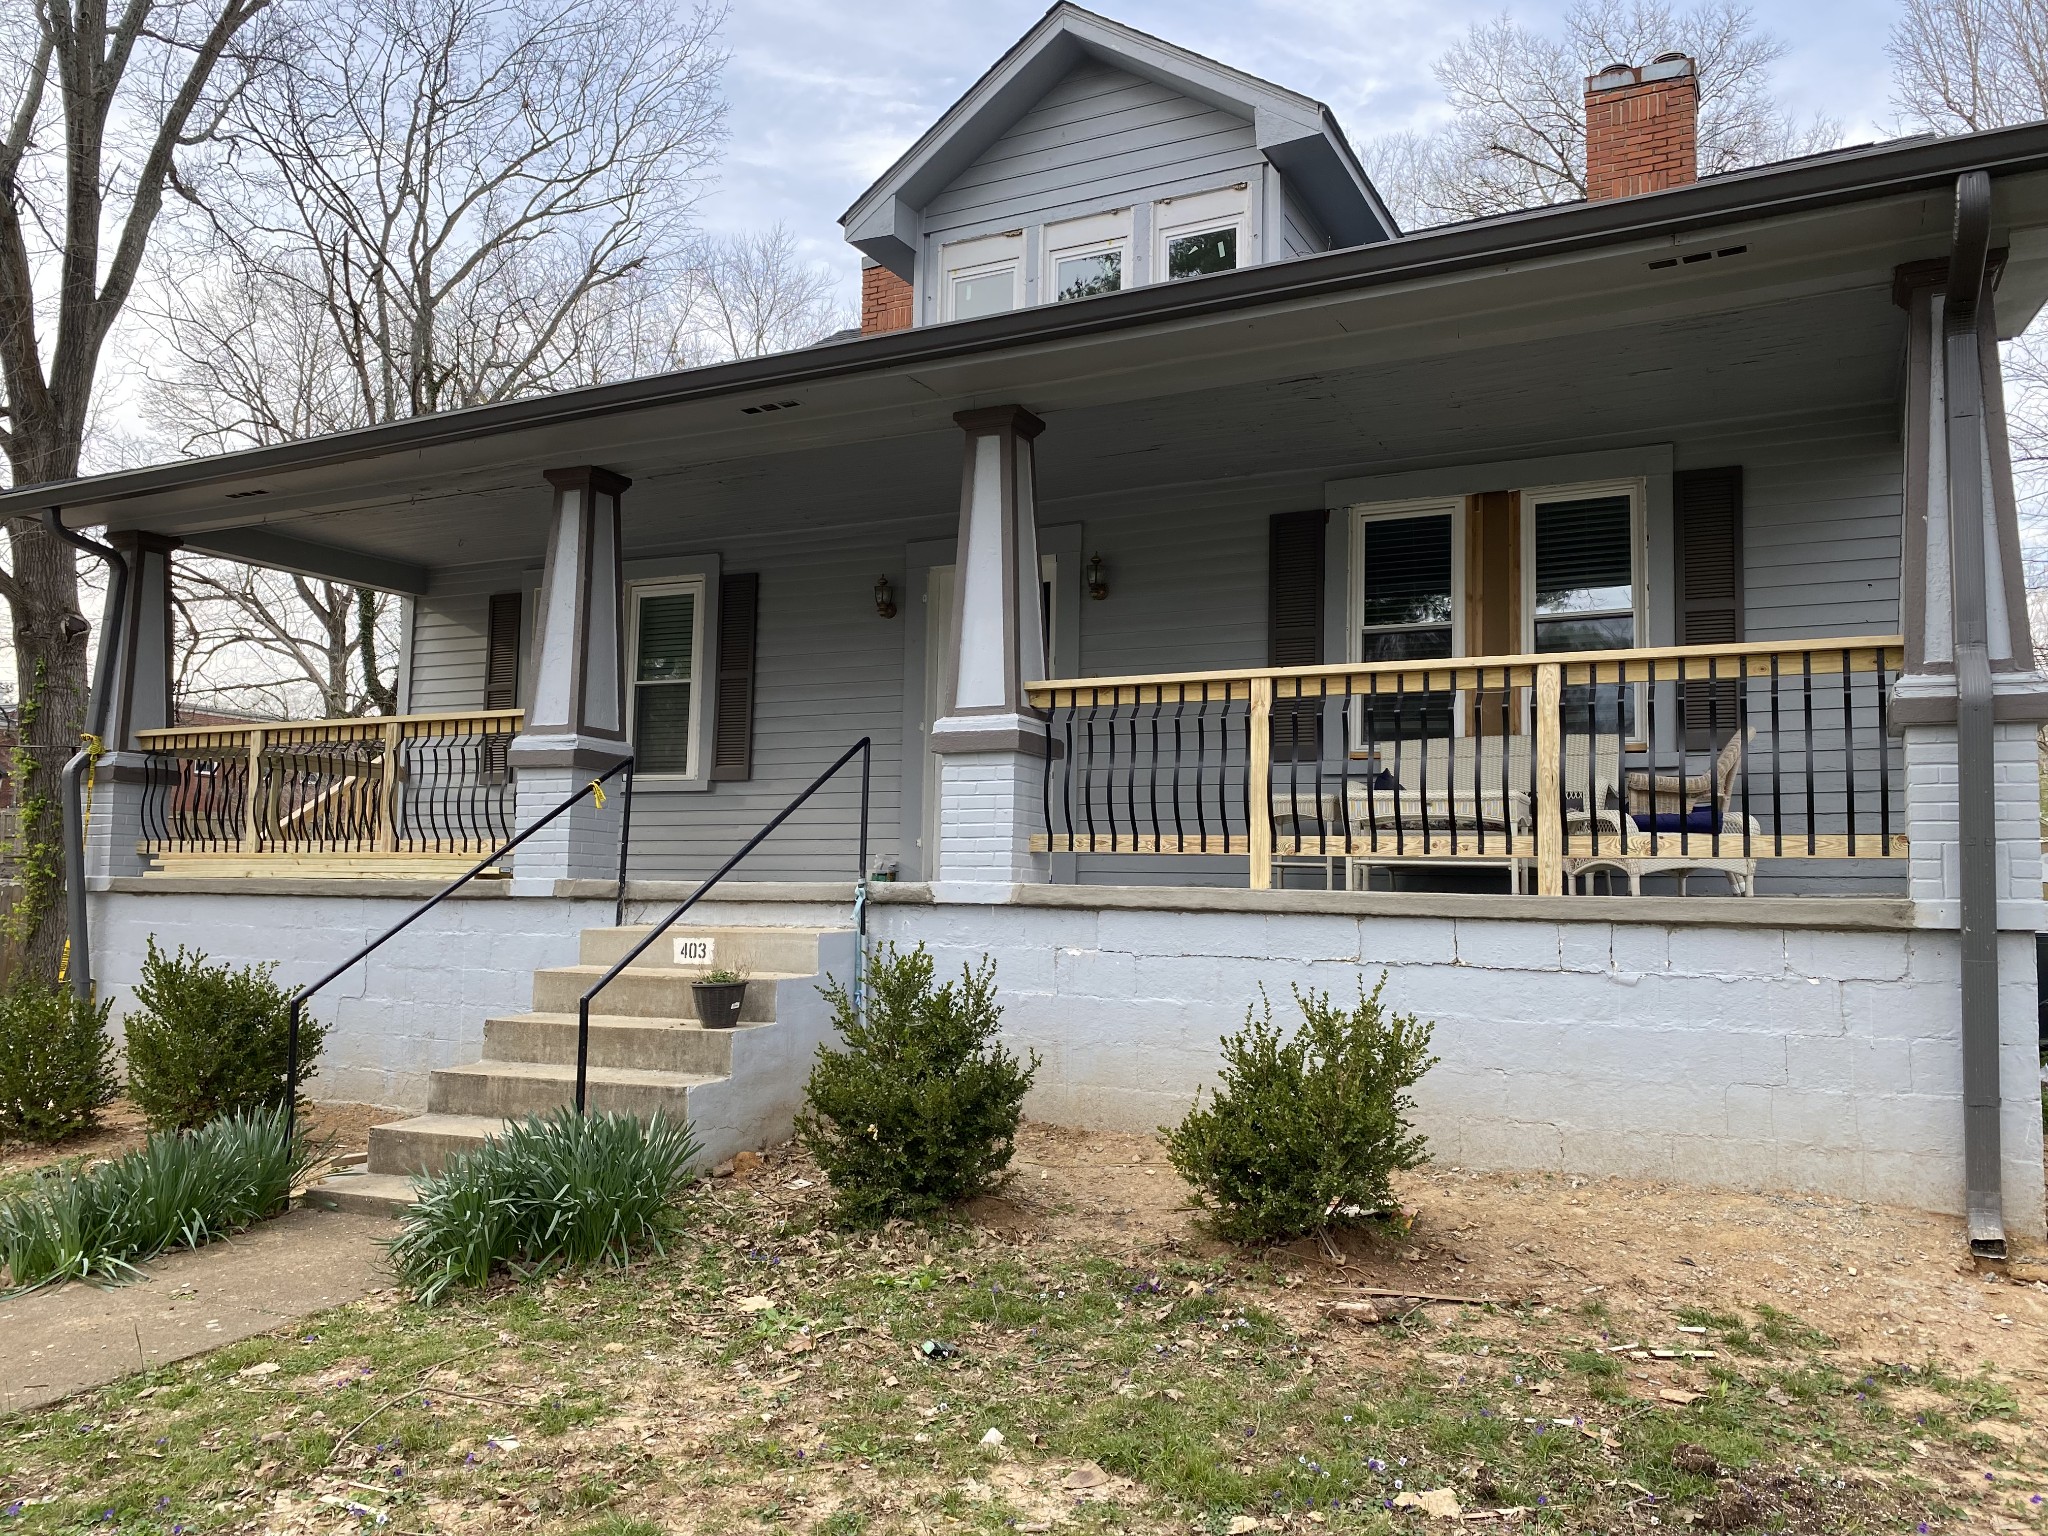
(1099, 138)
(448, 635)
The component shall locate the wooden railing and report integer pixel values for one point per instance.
(381, 785)
(1774, 750)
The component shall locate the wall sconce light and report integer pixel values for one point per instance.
(1098, 587)
(885, 598)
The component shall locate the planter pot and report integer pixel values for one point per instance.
(719, 1002)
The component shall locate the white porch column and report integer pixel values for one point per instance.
(990, 744)
(576, 711)
(139, 680)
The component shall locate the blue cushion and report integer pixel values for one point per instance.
(1701, 818)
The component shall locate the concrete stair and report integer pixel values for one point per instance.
(648, 1052)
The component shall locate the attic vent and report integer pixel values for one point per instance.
(770, 405)
(243, 495)
(1697, 257)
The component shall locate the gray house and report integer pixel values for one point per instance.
(1604, 619)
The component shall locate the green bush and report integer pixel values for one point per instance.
(178, 1190)
(556, 1191)
(56, 1062)
(1306, 1132)
(921, 1109)
(209, 1040)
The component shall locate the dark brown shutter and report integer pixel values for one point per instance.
(501, 652)
(732, 731)
(1294, 619)
(501, 676)
(1708, 507)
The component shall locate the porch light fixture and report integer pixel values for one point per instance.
(1098, 586)
(885, 598)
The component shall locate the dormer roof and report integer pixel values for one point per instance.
(1296, 134)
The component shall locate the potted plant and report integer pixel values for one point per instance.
(719, 994)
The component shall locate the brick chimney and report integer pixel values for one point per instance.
(1642, 127)
(885, 300)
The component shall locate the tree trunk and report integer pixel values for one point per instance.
(49, 651)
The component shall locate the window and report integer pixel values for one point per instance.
(1203, 252)
(667, 632)
(1583, 592)
(984, 293)
(1585, 597)
(1405, 602)
(982, 276)
(1084, 276)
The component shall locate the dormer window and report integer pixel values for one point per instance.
(1202, 233)
(1087, 256)
(983, 277)
(1083, 277)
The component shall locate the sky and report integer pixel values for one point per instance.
(824, 94)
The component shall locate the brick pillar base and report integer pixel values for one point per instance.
(1933, 831)
(580, 844)
(114, 818)
(991, 800)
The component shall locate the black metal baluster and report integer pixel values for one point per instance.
(1152, 764)
(1400, 718)
(1884, 767)
(1650, 751)
(1806, 706)
(1374, 767)
(1777, 768)
(1202, 767)
(1849, 745)
(1180, 702)
(1088, 784)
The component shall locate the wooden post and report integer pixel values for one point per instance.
(387, 790)
(250, 804)
(1549, 792)
(1259, 785)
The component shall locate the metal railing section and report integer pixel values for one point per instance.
(863, 749)
(1770, 750)
(403, 784)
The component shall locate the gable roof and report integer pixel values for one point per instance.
(1295, 133)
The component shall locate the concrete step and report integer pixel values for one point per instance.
(512, 1090)
(422, 1143)
(752, 951)
(653, 1045)
(365, 1194)
(649, 992)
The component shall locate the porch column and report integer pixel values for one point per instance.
(1948, 635)
(990, 743)
(139, 684)
(576, 713)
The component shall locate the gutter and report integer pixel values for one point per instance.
(72, 780)
(1822, 182)
(1976, 806)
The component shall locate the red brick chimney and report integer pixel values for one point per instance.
(885, 301)
(1642, 127)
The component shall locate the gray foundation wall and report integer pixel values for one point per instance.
(1790, 1045)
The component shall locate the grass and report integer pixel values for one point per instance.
(769, 1374)
(177, 1190)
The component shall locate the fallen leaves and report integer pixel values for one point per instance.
(1437, 1503)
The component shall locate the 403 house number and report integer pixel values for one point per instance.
(696, 950)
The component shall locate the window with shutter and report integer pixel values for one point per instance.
(501, 676)
(1406, 606)
(732, 735)
(1708, 510)
(663, 675)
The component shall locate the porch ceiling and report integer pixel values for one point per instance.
(1605, 344)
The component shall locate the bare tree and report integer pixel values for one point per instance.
(755, 294)
(1517, 136)
(260, 642)
(104, 111)
(1961, 66)
(435, 204)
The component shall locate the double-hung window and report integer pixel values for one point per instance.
(1405, 600)
(1584, 556)
(665, 675)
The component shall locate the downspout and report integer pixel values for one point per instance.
(73, 779)
(1976, 805)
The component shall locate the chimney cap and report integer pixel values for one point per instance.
(1666, 66)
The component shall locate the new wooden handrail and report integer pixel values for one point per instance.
(346, 728)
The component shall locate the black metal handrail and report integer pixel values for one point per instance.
(860, 749)
(299, 998)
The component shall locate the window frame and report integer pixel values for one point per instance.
(983, 256)
(698, 584)
(1354, 567)
(1226, 207)
(1637, 491)
(1120, 244)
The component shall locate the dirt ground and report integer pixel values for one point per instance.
(121, 1129)
(1886, 1284)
